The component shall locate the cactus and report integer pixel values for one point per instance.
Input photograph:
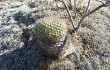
(50, 30)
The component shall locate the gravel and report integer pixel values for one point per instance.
(18, 50)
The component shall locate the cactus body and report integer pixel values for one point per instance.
(50, 30)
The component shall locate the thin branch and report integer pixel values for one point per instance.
(75, 8)
(71, 19)
(87, 6)
(70, 5)
(87, 14)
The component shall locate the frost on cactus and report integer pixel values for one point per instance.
(50, 30)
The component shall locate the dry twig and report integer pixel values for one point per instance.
(71, 19)
(75, 9)
(87, 14)
(87, 6)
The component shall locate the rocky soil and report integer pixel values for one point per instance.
(18, 50)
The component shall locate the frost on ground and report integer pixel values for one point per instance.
(19, 52)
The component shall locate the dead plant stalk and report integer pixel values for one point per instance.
(85, 15)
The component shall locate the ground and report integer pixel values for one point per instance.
(18, 50)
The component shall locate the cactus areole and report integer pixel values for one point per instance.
(50, 30)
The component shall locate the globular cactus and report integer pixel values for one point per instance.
(50, 30)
